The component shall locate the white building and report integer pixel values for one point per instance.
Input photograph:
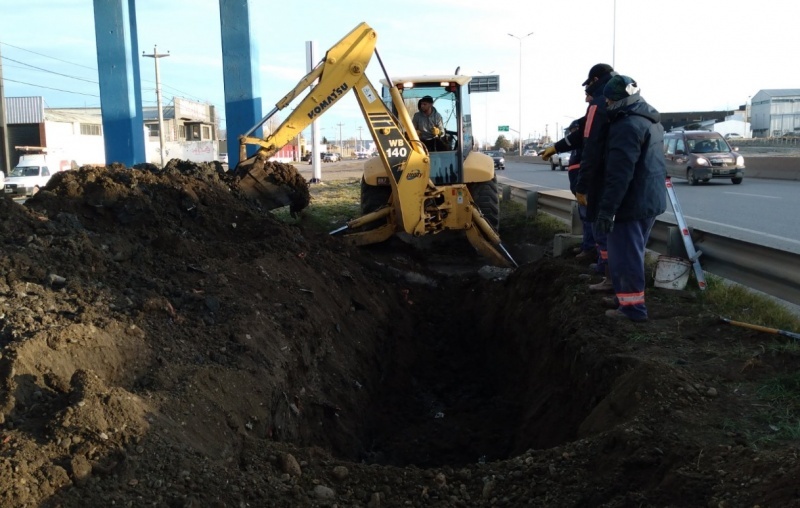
(775, 113)
(77, 133)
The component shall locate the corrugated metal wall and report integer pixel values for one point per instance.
(24, 110)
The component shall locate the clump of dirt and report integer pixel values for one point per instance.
(166, 341)
(273, 184)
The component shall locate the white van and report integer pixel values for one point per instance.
(31, 173)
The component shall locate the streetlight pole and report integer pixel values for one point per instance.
(614, 38)
(155, 56)
(520, 86)
(486, 114)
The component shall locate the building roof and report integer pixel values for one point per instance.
(783, 92)
(74, 115)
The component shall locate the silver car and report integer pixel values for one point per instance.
(560, 161)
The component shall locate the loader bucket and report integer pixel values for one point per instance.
(273, 184)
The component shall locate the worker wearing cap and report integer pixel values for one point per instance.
(633, 193)
(429, 124)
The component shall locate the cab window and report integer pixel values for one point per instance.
(45, 171)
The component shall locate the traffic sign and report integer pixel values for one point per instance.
(502, 128)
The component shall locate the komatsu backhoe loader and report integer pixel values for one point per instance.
(410, 187)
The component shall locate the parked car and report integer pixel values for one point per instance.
(331, 157)
(733, 135)
(32, 172)
(529, 153)
(499, 160)
(699, 156)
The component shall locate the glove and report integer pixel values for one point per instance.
(604, 224)
(581, 199)
(548, 152)
(435, 131)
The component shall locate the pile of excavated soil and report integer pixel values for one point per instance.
(165, 341)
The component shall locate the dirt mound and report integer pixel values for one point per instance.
(165, 341)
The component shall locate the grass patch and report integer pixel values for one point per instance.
(781, 406)
(516, 226)
(332, 205)
(739, 303)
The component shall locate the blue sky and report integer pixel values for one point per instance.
(686, 55)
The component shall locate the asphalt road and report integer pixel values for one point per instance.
(758, 210)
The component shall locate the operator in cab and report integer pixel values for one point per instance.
(429, 125)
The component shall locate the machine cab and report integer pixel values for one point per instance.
(450, 96)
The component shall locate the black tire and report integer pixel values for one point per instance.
(690, 178)
(488, 200)
(706, 180)
(552, 166)
(373, 196)
(561, 166)
(736, 181)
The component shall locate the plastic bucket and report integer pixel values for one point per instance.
(671, 272)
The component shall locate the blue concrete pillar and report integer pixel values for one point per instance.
(120, 88)
(240, 75)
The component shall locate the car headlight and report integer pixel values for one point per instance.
(739, 160)
(502, 160)
(702, 161)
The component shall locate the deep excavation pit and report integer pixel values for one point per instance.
(468, 383)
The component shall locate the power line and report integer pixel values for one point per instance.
(46, 56)
(49, 88)
(164, 85)
(51, 72)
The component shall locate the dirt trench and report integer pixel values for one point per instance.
(165, 341)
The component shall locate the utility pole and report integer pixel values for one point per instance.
(6, 158)
(520, 86)
(155, 56)
(360, 141)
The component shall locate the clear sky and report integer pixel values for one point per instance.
(685, 54)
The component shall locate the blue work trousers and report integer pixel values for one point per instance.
(626, 246)
(601, 242)
(588, 242)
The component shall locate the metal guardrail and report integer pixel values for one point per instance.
(771, 271)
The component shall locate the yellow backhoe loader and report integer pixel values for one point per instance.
(411, 187)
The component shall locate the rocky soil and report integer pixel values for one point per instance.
(167, 342)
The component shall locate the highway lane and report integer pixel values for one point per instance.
(761, 211)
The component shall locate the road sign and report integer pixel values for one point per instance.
(484, 84)
(502, 128)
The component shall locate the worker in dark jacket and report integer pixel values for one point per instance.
(587, 247)
(591, 140)
(633, 193)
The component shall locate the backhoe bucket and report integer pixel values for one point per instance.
(273, 184)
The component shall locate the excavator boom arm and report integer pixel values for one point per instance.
(344, 64)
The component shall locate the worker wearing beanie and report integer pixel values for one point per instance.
(633, 193)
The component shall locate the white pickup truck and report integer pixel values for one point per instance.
(32, 172)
